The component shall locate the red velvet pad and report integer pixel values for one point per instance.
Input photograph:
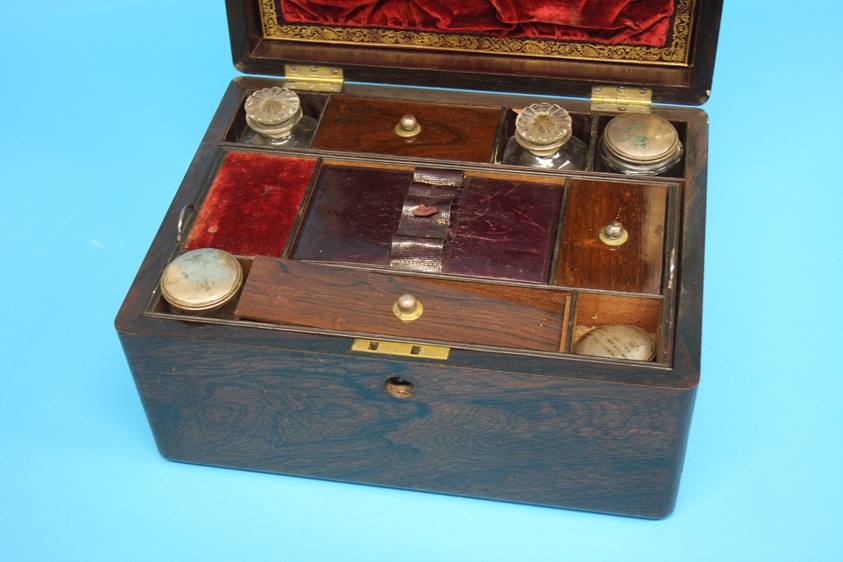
(252, 204)
(629, 22)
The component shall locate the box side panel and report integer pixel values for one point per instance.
(526, 438)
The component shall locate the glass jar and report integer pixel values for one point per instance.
(275, 118)
(544, 139)
(640, 144)
(617, 342)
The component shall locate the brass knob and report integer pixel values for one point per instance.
(614, 234)
(407, 308)
(407, 126)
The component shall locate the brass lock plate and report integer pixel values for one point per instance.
(401, 349)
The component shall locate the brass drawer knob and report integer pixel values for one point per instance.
(614, 234)
(408, 308)
(399, 388)
(407, 126)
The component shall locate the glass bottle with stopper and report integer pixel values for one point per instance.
(275, 118)
(640, 144)
(544, 139)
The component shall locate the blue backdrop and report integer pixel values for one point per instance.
(103, 106)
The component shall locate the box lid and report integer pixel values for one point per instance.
(554, 47)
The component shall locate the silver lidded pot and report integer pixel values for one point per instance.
(275, 118)
(640, 144)
(200, 281)
(617, 341)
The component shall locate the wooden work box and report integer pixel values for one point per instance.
(309, 372)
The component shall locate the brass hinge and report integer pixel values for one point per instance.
(313, 78)
(621, 99)
(422, 351)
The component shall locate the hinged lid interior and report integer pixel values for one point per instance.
(561, 47)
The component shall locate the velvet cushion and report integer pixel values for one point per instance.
(252, 204)
(633, 22)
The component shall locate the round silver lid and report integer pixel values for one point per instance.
(617, 342)
(542, 128)
(641, 138)
(273, 111)
(201, 279)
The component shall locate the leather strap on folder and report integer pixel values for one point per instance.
(425, 220)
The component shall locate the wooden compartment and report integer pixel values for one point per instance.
(500, 225)
(587, 262)
(600, 122)
(253, 203)
(449, 131)
(602, 309)
(452, 312)
(312, 105)
(582, 129)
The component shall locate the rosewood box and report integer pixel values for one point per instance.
(415, 310)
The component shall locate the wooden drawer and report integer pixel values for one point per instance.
(356, 300)
(449, 132)
(587, 262)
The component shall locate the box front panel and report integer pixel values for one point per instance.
(487, 434)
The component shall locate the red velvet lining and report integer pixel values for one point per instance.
(252, 204)
(630, 22)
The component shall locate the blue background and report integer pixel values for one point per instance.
(103, 105)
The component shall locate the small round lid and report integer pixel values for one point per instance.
(201, 279)
(641, 138)
(273, 111)
(617, 342)
(543, 127)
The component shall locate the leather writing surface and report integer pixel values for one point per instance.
(353, 215)
(504, 229)
(496, 228)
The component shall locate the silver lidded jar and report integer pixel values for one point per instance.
(544, 139)
(640, 144)
(616, 341)
(275, 118)
(200, 281)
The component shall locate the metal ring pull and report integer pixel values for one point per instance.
(182, 218)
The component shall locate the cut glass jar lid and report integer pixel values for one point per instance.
(273, 111)
(641, 138)
(543, 127)
(201, 279)
(617, 342)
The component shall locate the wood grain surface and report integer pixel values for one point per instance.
(586, 262)
(549, 429)
(543, 440)
(449, 132)
(356, 300)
